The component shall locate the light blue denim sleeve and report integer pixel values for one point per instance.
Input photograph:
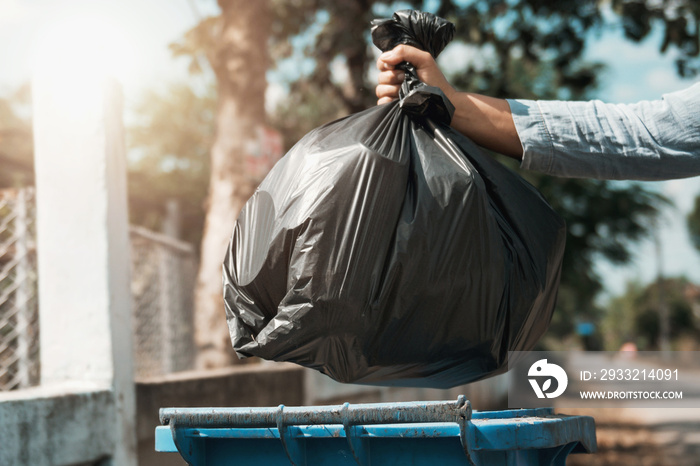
(649, 140)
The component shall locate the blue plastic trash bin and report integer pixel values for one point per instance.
(415, 433)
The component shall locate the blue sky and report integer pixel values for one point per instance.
(634, 72)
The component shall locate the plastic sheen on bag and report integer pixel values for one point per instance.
(386, 248)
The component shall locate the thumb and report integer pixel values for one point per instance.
(402, 53)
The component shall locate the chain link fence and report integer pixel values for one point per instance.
(162, 286)
(19, 316)
(163, 274)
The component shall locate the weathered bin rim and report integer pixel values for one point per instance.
(514, 429)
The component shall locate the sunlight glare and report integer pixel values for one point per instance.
(79, 52)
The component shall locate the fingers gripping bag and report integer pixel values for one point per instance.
(386, 248)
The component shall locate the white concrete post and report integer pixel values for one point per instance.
(83, 243)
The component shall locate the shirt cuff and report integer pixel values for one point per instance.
(535, 138)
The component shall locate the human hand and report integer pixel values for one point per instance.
(390, 77)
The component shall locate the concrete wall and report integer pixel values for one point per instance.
(57, 425)
(75, 425)
(250, 385)
(70, 424)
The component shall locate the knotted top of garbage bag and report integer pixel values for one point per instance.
(416, 28)
(426, 32)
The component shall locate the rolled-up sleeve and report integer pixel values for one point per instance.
(649, 140)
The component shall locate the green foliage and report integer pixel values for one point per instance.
(198, 43)
(694, 224)
(522, 39)
(603, 221)
(533, 48)
(526, 35)
(555, 32)
(619, 322)
(172, 140)
(680, 21)
(634, 316)
(16, 145)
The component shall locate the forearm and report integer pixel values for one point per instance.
(649, 140)
(655, 140)
(487, 121)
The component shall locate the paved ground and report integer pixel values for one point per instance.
(653, 437)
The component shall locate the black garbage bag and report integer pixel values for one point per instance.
(386, 248)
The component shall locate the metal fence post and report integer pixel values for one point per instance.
(165, 303)
(170, 276)
(22, 294)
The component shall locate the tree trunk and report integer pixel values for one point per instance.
(356, 92)
(240, 61)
